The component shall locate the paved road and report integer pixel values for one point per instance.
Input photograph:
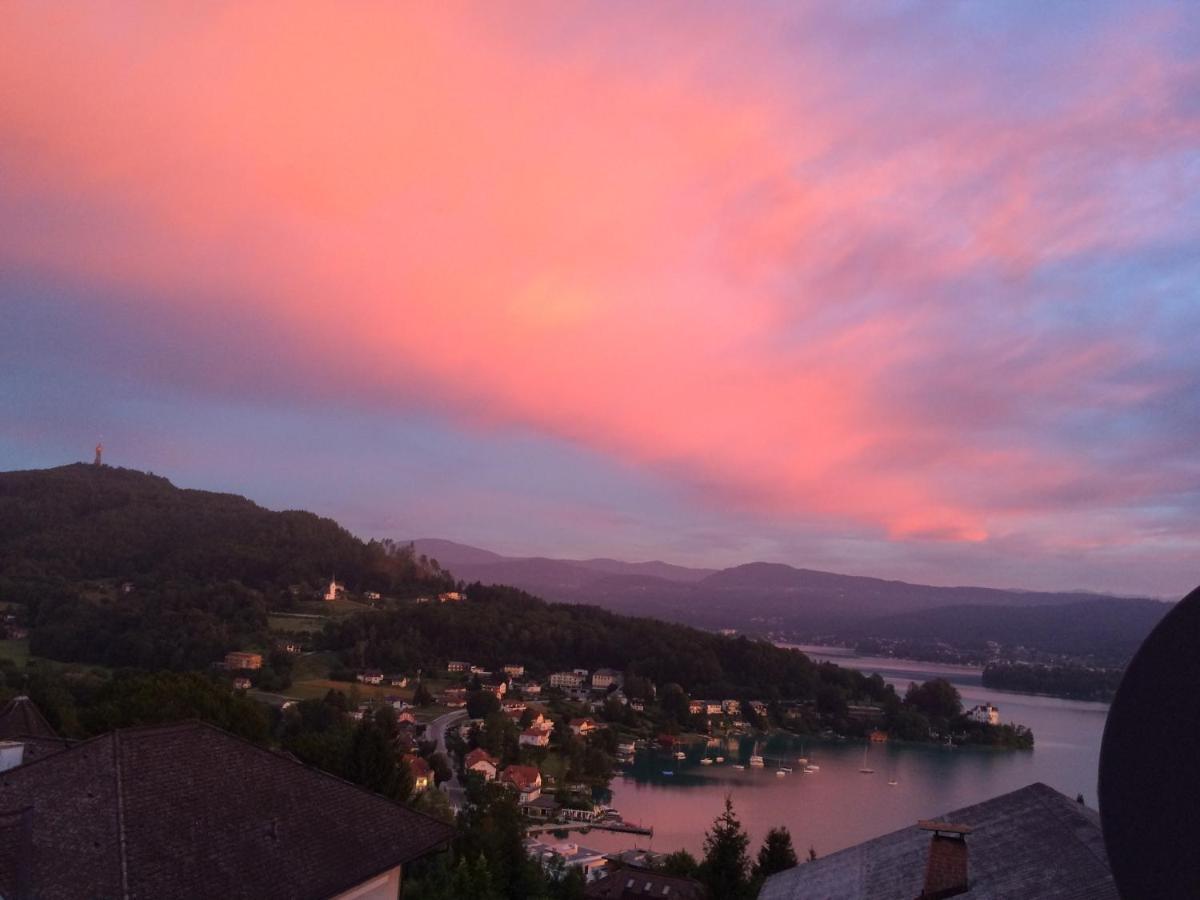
(437, 731)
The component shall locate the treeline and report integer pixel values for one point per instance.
(1072, 682)
(81, 522)
(496, 625)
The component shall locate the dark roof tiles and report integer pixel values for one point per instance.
(1033, 842)
(21, 718)
(189, 810)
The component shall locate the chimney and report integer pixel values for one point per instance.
(946, 870)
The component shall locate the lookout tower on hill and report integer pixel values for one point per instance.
(99, 455)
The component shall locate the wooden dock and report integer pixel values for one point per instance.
(623, 827)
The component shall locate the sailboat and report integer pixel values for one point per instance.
(865, 769)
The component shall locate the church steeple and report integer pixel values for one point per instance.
(99, 455)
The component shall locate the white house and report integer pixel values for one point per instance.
(534, 737)
(985, 714)
(568, 680)
(603, 679)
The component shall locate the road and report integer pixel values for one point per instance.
(437, 731)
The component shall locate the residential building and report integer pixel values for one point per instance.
(372, 595)
(531, 689)
(526, 780)
(514, 670)
(603, 679)
(1032, 842)
(877, 736)
(480, 671)
(534, 737)
(25, 734)
(985, 713)
(541, 808)
(864, 712)
(712, 708)
(731, 707)
(482, 762)
(451, 597)
(638, 705)
(582, 727)
(697, 707)
(629, 883)
(192, 811)
(572, 855)
(242, 659)
(371, 676)
(567, 680)
(242, 683)
(397, 680)
(421, 773)
(456, 665)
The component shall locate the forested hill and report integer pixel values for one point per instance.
(82, 522)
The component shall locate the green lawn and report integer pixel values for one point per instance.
(17, 651)
(295, 624)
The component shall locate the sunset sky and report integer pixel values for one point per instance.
(886, 288)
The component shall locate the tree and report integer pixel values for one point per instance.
(726, 865)
(679, 863)
(422, 696)
(938, 699)
(776, 853)
(481, 703)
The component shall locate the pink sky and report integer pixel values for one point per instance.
(910, 278)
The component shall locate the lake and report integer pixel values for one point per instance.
(838, 806)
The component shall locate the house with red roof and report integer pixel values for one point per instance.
(479, 760)
(421, 773)
(526, 780)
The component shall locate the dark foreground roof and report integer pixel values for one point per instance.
(1033, 842)
(21, 718)
(630, 883)
(192, 811)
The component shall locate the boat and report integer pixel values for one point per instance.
(706, 761)
(667, 772)
(738, 766)
(786, 770)
(756, 762)
(866, 770)
(679, 754)
(780, 773)
(892, 782)
(802, 760)
(720, 759)
(812, 768)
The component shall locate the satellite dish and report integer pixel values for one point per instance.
(1150, 763)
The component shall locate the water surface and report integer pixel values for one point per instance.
(839, 806)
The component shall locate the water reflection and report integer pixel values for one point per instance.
(838, 806)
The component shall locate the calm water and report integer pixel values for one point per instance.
(838, 806)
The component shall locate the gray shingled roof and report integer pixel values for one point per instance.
(21, 718)
(190, 810)
(1033, 842)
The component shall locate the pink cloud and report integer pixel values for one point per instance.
(659, 255)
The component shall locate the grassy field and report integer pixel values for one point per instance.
(17, 651)
(332, 607)
(294, 624)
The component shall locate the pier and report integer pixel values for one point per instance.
(623, 827)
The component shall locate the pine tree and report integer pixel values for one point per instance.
(776, 853)
(726, 865)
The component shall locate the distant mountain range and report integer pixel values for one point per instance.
(771, 597)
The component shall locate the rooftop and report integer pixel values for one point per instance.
(190, 810)
(21, 718)
(1033, 842)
